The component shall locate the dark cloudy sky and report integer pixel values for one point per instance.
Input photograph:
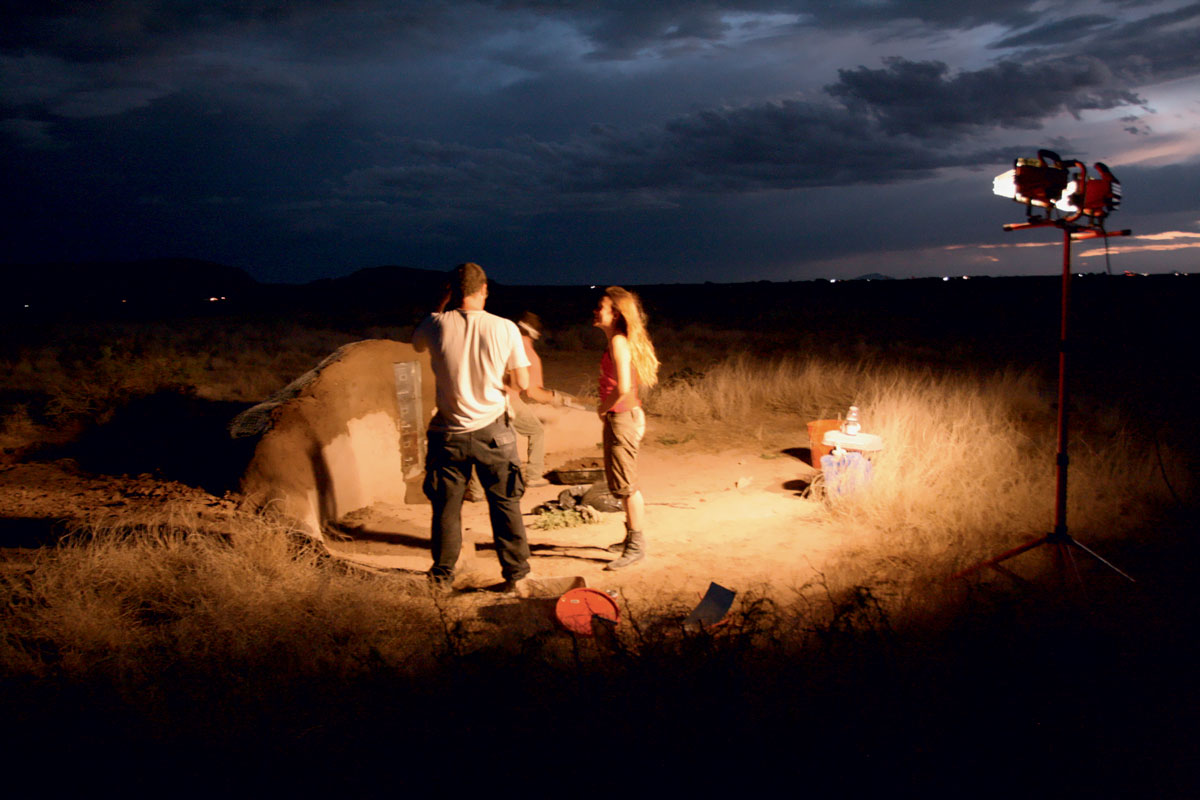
(589, 141)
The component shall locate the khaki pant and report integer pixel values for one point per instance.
(623, 432)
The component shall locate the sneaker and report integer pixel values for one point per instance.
(535, 480)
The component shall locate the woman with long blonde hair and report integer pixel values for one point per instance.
(628, 362)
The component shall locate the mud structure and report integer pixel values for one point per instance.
(348, 434)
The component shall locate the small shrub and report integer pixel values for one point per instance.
(564, 518)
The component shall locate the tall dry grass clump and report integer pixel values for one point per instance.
(126, 601)
(735, 390)
(969, 459)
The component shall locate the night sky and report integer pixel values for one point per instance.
(590, 141)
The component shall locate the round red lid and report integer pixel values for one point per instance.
(576, 608)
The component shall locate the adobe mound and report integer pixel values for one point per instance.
(345, 435)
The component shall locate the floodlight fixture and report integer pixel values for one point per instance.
(1046, 183)
(1049, 182)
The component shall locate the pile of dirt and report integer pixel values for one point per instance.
(582, 464)
(42, 501)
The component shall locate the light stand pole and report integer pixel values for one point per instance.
(1059, 538)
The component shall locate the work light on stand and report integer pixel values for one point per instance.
(1078, 205)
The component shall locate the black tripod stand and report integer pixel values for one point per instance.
(1059, 538)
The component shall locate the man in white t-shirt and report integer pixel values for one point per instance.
(471, 350)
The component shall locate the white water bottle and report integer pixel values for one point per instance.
(851, 426)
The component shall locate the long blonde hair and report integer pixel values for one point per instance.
(630, 320)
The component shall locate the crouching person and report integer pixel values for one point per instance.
(524, 421)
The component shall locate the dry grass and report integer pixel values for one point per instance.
(232, 636)
(131, 598)
(968, 465)
(195, 658)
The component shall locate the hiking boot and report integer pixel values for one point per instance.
(535, 480)
(619, 547)
(634, 551)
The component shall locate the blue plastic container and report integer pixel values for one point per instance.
(845, 473)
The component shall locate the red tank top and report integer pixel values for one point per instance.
(608, 384)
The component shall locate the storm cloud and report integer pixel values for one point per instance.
(307, 138)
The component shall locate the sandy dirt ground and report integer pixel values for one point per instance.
(732, 515)
(736, 516)
(41, 500)
(730, 511)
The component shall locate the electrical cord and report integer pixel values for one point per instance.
(1107, 263)
(1162, 467)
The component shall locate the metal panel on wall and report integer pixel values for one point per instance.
(410, 418)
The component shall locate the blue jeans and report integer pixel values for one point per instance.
(491, 452)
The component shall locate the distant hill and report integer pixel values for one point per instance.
(381, 284)
(386, 276)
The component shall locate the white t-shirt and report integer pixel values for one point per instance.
(470, 352)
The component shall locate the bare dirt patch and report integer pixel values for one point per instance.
(57, 497)
(733, 515)
(723, 505)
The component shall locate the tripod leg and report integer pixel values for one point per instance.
(1070, 559)
(1005, 556)
(1014, 577)
(1102, 560)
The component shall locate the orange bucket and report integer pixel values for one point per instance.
(816, 434)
